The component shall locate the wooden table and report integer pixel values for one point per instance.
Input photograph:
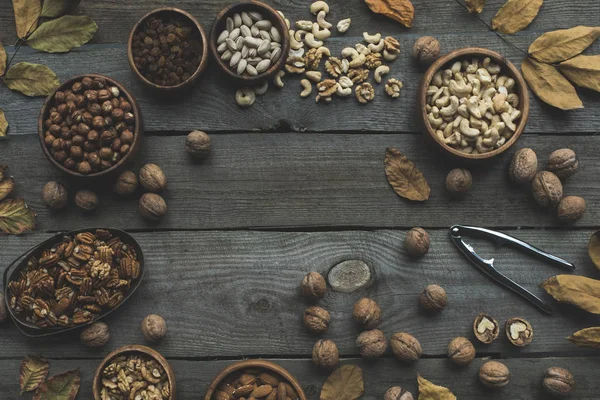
(293, 186)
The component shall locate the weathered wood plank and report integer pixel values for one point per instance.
(280, 180)
(226, 294)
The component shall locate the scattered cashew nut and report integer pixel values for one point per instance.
(262, 88)
(294, 44)
(380, 71)
(343, 25)
(314, 76)
(372, 38)
(343, 91)
(277, 79)
(245, 96)
(310, 40)
(321, 20)
(319, 6)
(319, 33)
(307, 88)
(377, 48)
(304, 25)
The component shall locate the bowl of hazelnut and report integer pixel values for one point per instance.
(258, 379)
(90, 126)
(474, 103)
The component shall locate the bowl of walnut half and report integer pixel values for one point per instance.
(257, 379)
(134, 372)
(474, 103)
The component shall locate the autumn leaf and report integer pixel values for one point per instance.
(345, 383)
(3, 123)
(577, 290)
(3, 168)
(6, 187)
(402, 11)
(31, 79)
(588, 337)
(560, 45)
(404, 176)
(475, 6)
(584, 71)
(63, 34)
(34, 371)
(64, 386)
(16, 217)
(56, 8)
(27, 13)
(2, 60)
(429, 391)
(549, 85)
(594, 249)
(516, 15)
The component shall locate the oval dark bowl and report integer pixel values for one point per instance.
(137, 138)
(31, 330)
(250, 5)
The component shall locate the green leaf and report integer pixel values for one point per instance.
(63, 34)
(3, 124)
(31, 79)
(56, 8)
(27, 13)
(16, 217)
(34, 371)
(64, 386)
(2, 60)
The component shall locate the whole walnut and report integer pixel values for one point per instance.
(325, 354)
(198, 144)
(523, 166)
(153, 178)
(3, 310)
(152, 206)
(126, 184)
(494, 374)
(458, 181)
(563, 163)
(55, 195)
(154, 328)
(558, 382)
(417, 242)
(426, 50)
(433, 298)
(461, 351)
(313, 286)
(406, 347)
(547, 189)
(316, 319)
(367, 313)
(86, 200)
(371, 344)
(95, 335)
(397, 393)
(570, 209)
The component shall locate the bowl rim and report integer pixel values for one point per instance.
(512, 70)
(285, 39)
(268, 365)
(138, 130)
(203, 58)
(134, 348)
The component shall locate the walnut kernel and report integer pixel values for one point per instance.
(371, 344)
(313, 286)
(367, 313)
(417, 242)
(406, 348)
(95, 335)
(197, 144)
(316, 319)
(486, 328)
(433, 298)
(55, 196)
(426, 50)
(153, 178)
(494, 374)
(519, 331)
(461, 351)
(397, 393)
(154, 328)
(325, 354)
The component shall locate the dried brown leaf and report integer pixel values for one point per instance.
(63, 34)
(6, 187)
(345, 383)
(429, 391)
(594, 249)
(402, 11)
(404, 176)
(549, 85)
(580, 291)
(3, 123)
(16, 217)
(31, 79)
(516, 15)
(2, 60)
(584, 71)
(560, 45)
(64, 386)
(475, 6)
(34, 371)
(589, 337)
(27, 13)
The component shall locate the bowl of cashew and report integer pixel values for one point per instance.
(474, 103)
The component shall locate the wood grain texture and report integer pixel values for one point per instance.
(227, 294)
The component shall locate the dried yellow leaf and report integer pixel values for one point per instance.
(594, 249)
(3, 124)
(345, 383)
(6, 187)
(549, 85)
(63, 34)
(580, 291)
(429, 391)
(27, 13)
(404, 176)
(557, 46)
(31, 79)
(475, 6)
(589, 337)
(402, 11)
(16, 217)
(584, 71)
(2, 60)
(33, 372)
(516, 15)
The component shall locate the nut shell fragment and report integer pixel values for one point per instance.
(486, 328)
(519, 331)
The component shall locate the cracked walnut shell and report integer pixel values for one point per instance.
(325, 354)
(364, 92)
(358, 75)
(367, 313)
(485, 328)
(392, 88)
(405, 347)
(519, 331)
(334, 66)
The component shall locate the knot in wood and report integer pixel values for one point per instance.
(349, 276)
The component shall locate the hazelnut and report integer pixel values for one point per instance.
(494, 374)
(126, 184)
(519, 331)
(426, 50)
(55, 196)
(95, 335)
(570, 209)
(198, 144)
(325, 354)
(458, 182)
(547, 189)
(558, 382)
(154, 328)
(316, 319)
(461, 351)
(523, 166)
(486, 328)
(563, 163)
(313, 286)
(406, 348)
(153, 178)
(367, 313)
(417, 242)
(3, 310)
(371, 344)
(433, 298)
(397, 393)
(152, 206)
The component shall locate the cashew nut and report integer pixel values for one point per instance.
(514, 114)
(454, 139)
(499, 102)
(460, 89)
(320, 34)
(484, 76)
(456, 66)
(307, 88)
(321, 20)
(304, 25)
(451, 109)
(480, 147)
(446, 76)
(380, 71)
(513, 100)
(300, 34)
(245, 96)
(508, 122)
(434, 121)
(431, 90)
(319, 6)
(372, 38)
(277, 79)
(345, 66)
(343, 91)
(476, 87)
(357, 62)
(466, 129)
(314, 76)
(509, 84)
(343, 25)
(473, 106)
(345, 82)
(463, 111)
(262, 88)
(488, 93)
(501, 81)
(437, 79)
(362, 49)
(449, 129)
(491, 67)
(323, 51)
(389, 56)
(287, 21)
(294, 44)
(296, 53)
(309, 39)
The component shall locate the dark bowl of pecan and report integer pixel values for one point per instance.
(257, 379)
(72, 280)
(90, 126)
(168, 50)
